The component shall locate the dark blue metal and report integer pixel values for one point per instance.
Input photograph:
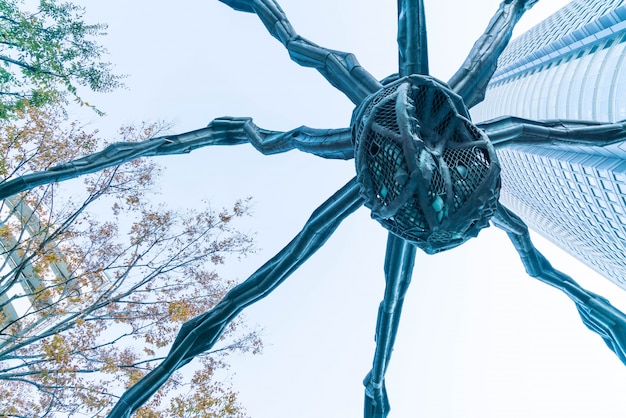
(412, 40)
(596, 312)
(325, 143)
(514, 129)
(201, 333)
(341, 69)
(471, 80)
(427, 173)
(400, 254)
(399, 261)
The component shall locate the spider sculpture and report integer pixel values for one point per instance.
(428, 174)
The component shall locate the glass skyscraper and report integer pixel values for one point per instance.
(572, 66)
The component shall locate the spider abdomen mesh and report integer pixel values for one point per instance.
(426, 172)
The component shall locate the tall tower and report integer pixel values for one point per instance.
(572, 66)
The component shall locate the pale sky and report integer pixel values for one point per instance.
(478, 338)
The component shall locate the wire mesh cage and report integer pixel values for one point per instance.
(426, 172)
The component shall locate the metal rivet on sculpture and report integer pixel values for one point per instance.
(427, 173)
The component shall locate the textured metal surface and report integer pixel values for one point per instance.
(513, 129)
(399, 261)
(412, 40)
(428, 175)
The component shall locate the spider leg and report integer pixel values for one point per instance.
(201, 333)
(596, 312)
(326, 143)
(507, 129)
(399, 262)
(341, 69)
(470, 81)
(412, 41)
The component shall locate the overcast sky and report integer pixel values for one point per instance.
(478, 338)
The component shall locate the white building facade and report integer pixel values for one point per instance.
(572, 66)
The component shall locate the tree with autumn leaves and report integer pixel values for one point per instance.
(102, 281)
(96, 276)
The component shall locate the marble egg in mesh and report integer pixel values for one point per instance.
(426, 172)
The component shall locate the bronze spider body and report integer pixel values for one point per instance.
(426, 172)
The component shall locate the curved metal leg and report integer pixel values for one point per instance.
(201, 333)
(399, 262)
(470, 81)
(341, 69)
(412, 41)
(326, 143)
(513, 129)
(596, 312)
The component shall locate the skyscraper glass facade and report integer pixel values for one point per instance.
(571, 66)
(573, 198)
